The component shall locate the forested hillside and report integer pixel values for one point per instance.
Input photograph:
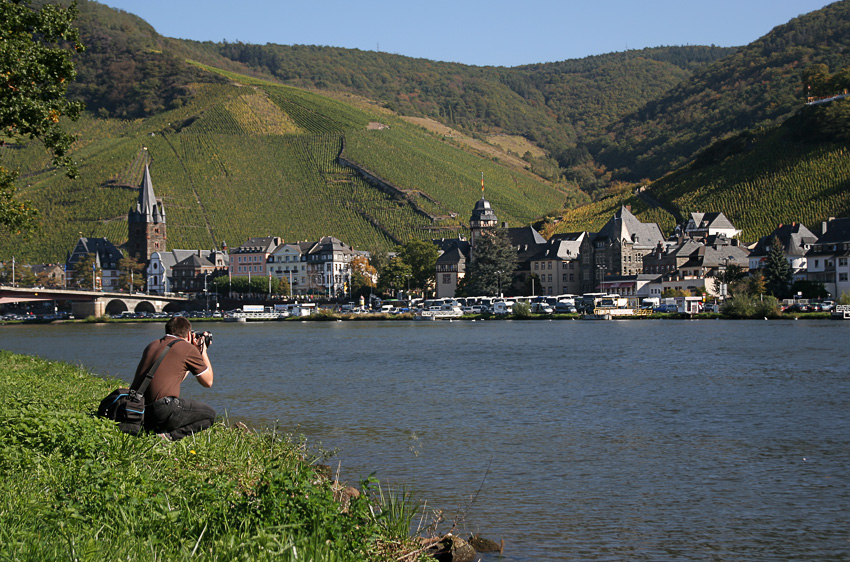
(758, 86)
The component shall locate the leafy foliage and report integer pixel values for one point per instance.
(35, 68)
(492, 266)
(757, 86)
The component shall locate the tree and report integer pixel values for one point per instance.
(378, 258)
(395, 276)
(131, 276)
(20, 275)
(493, 263)
(35, 67)
(422, 257)
(728, 276)
(777, 270)
(816, 80)
(86, 272)
(362, 275)
(809, 289)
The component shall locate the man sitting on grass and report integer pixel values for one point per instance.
(170, 416)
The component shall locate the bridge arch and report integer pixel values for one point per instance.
(116, 306)
(145, 306)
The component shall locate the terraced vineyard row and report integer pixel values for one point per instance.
(756, 196)
(415, 159)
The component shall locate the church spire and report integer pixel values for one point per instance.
(146, 222)
(147, 205)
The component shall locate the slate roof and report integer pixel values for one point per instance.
(482, 211)
(527, 241)
(451, 249)
(195, 262)
(794, 238)
(175, 257)
(837, 232)
(264, 244)
(107, 255)
(625, 226)
(148, 209)
(564, 246)
(454, 254)
(711, 221)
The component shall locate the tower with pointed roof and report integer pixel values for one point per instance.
(483, 218)
(146, 223)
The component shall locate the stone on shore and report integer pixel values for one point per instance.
(454, 549)
(480, 544)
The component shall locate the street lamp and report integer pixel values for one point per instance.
(601, 269)
(206, 295)
(499, 281)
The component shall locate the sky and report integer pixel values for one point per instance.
(474, 32)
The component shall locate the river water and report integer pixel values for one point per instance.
(570, 440)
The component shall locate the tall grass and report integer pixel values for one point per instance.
(77, 489)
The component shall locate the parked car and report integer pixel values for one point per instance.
(565, 308)
(501, 308)
(541, 308)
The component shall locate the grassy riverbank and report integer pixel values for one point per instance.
(74, 488)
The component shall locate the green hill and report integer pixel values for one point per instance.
(252, 158)
(236, 153)
(758, 86)
(797, 172)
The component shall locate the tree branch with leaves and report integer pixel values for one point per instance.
(36, 46)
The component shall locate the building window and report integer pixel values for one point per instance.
(842, 262)
(447, 279)
(842, 277)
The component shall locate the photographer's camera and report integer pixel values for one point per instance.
(206, 337)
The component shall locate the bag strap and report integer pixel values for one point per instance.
(143, 386)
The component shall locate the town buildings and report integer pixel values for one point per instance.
(625, 256)
(796, 242)
(828, 258)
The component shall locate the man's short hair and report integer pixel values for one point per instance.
(178, 326)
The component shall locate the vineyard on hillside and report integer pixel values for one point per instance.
(756, 193)
(252, 158)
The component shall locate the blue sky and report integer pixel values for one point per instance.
(476, 32)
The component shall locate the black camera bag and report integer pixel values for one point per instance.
(126, 406)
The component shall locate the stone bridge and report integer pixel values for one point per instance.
(94, 303)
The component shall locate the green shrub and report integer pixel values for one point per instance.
(521, 310)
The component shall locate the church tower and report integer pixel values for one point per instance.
(483, 218)
(146, 223)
